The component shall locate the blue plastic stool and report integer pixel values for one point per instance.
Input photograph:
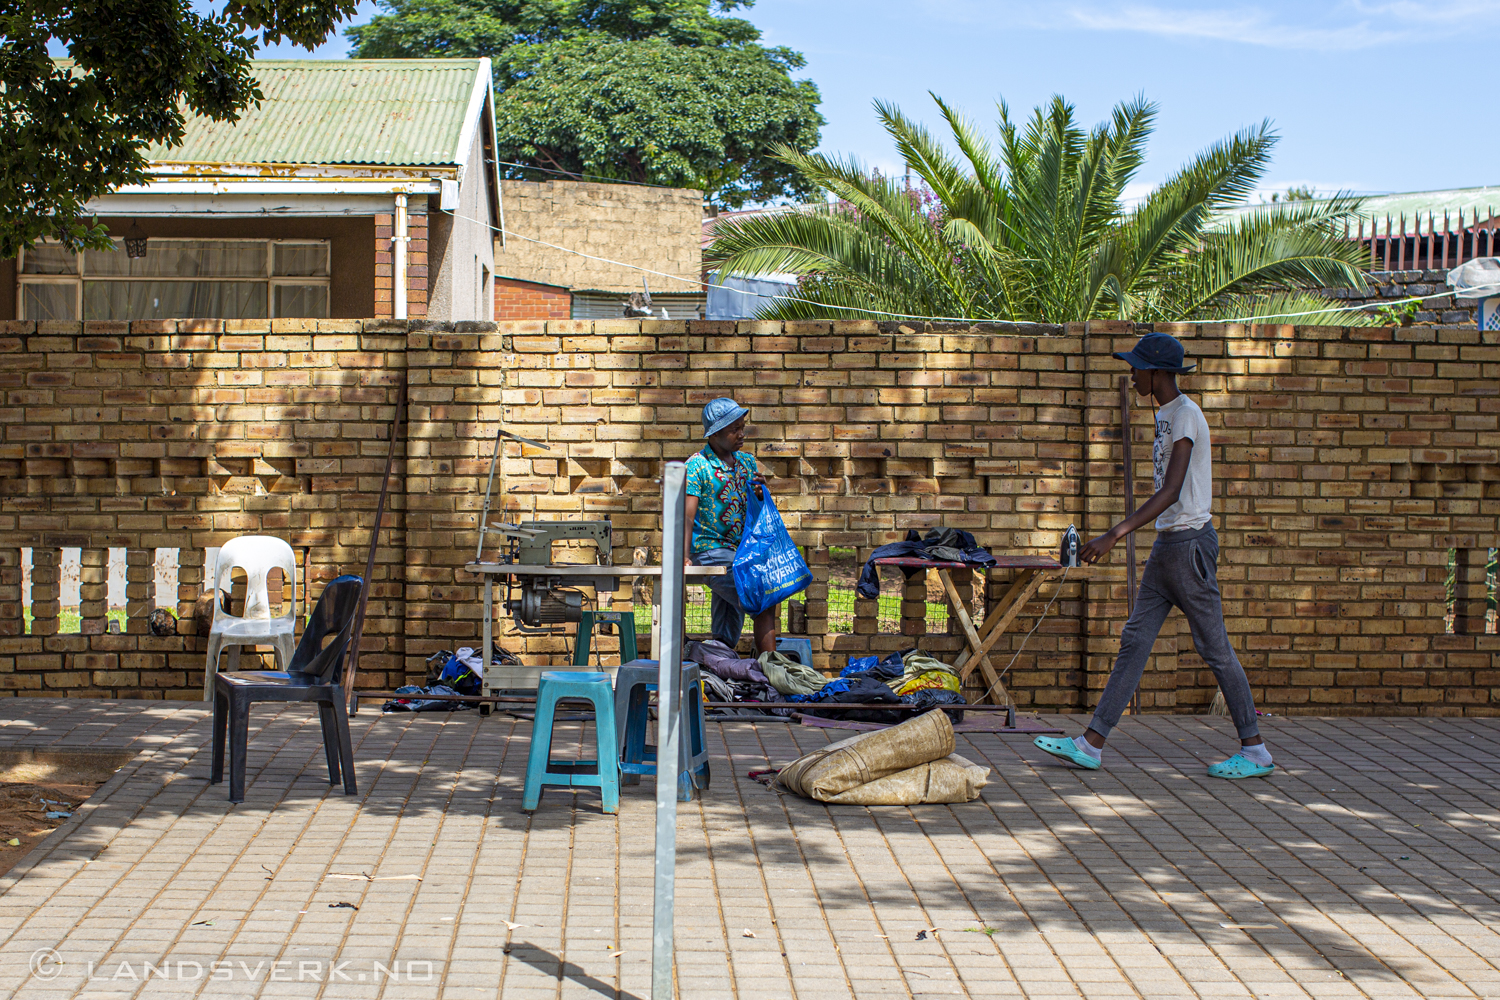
(586, 685)
(634, 683)
(798, 647)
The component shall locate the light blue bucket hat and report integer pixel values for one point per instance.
(719, 414)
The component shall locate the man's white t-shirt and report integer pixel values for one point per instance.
(1181, 418)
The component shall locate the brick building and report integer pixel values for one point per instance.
(578, 250)
(355, 189)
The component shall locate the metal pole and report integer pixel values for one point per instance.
(398, 260)
(351, 665)
(1125, 456)
(669, 661)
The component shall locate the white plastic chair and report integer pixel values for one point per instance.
(257, 555)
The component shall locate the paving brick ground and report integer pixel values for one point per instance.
(1366, 867)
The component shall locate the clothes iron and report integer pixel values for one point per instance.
(1067, 553)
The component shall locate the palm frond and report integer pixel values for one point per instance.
(1272, 249)
(1285, 308)
(1033, 228)
(921, 152)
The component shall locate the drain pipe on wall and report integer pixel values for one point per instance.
(398, 260)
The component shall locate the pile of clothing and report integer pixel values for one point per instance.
(912, 680)
(951, 545)
(456, 672)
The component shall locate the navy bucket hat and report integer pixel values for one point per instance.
(719, 414)
(1157, 351)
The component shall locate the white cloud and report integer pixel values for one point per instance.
(1250, 26)
(1465, 13)
(1345, 26)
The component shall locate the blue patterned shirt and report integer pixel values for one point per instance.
(723, 493)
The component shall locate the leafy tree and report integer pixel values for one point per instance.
(672, 93)
(1040, 231)
(1297, 192)
(74, 130)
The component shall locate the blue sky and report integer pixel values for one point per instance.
(1372, 97)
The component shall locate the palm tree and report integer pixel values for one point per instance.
(1041, 232)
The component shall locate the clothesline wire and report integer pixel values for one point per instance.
(699, 281)
(570, 173)
(945, 319)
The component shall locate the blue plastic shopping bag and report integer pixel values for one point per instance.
(768, 566)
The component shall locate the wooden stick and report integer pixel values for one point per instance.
(521, 701)
(1125, 455)
(995, 691)
(993, 618)
(351, 665)
(1129, 489)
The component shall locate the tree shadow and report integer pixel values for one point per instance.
(1126, 847)
(545, 962)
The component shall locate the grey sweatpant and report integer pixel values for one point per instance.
(1182, 572)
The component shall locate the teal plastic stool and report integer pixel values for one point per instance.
(798, 647)
(542, 770)
(624, 624)
(633, 686)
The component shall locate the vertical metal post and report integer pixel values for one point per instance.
(669, 678)
(398, 259)
(1129, 463)
(487, 681)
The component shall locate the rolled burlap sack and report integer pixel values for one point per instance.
(952, 779)
(868, 757)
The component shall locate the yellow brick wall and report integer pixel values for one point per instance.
(1347, 463)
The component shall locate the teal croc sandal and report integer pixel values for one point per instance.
(1239, 766)
(1067, 750)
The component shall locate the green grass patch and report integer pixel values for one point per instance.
(70, 622)
(699, 613)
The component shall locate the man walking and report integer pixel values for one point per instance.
(1182, 570)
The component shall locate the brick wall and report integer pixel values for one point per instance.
(1391, 286)
(1347, 463)
(656, 228)
(523, 300)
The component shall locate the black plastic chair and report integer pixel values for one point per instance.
(315, 674)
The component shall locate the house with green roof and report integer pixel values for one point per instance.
(1418, 230)
(355, 189)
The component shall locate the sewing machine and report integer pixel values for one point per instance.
(543, 596)
(540, 602)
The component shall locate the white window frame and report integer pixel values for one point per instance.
(269, 278)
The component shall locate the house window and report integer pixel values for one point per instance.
(177, 279)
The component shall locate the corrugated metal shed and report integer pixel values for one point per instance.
(1477, 204)
(392, 112)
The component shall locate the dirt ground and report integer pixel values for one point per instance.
(36, 782)
(23, 813)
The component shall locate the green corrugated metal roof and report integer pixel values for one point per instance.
(1476, 203)
(394, 112)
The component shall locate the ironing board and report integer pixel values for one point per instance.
(1032, 572)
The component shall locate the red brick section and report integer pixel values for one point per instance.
(1348, 462)
(525, 300)
(416, 266)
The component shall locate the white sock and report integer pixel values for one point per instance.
(1095, 752)
(1257, 754)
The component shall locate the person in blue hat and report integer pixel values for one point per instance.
(1182, 571)
(719, 480)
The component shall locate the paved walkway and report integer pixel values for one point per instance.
(1367, 866)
